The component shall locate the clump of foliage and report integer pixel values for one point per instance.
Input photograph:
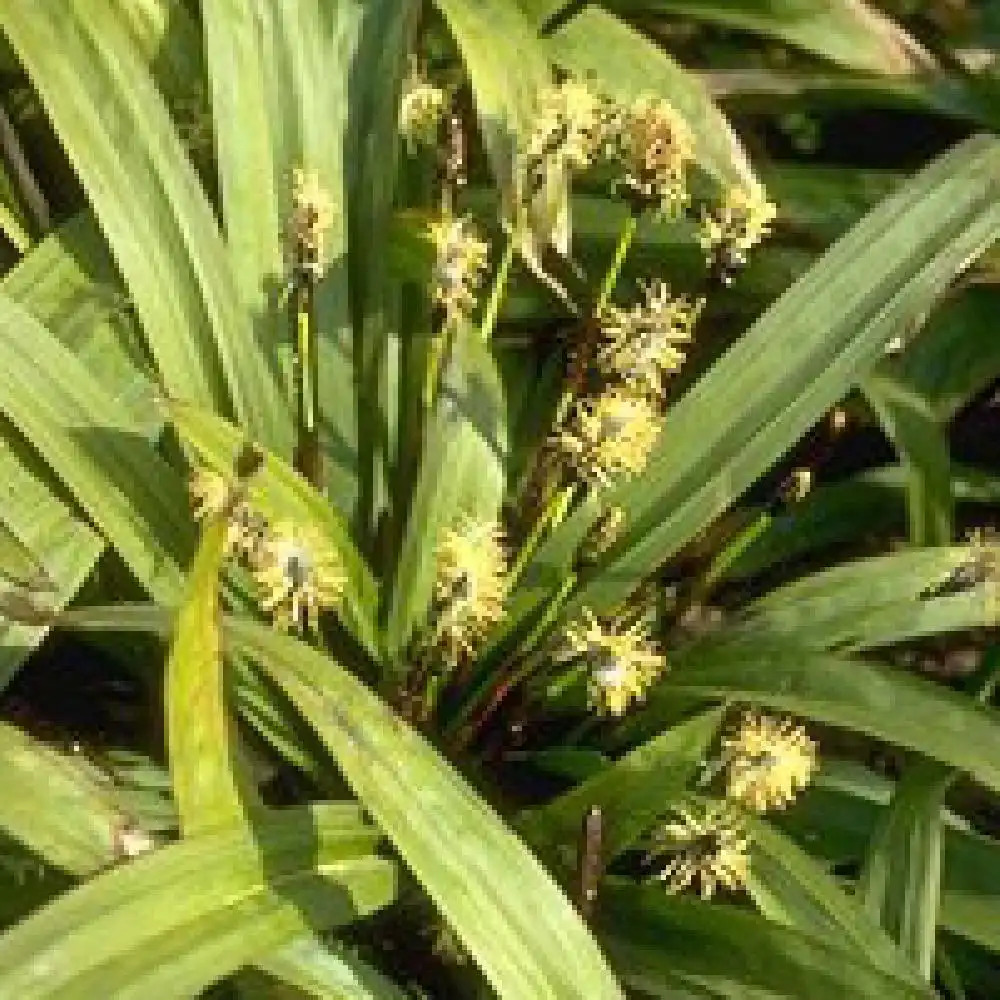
(512, 635)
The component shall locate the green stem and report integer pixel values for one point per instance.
(621, 252)
(492, 311)
(552, 515)
(307, 453)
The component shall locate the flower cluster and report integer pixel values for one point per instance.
(656, 150)
(621, 661)
(609, 436)
(311, 219)
(297, 572)
(460, 262)
(421, 111)
(704, 847)
(731, 231)
(470, 585)
(640, 343)
(573, 126)
(767, 761)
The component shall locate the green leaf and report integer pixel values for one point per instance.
(280, 493)
(174, 921)
(632, 793)
(54, 805)
(871, 602)
(668, 947)
(837, 815)
(200, 735)
(796, 361)
(850, 693)
(506, 67)
(594, 43)
(849, 511)
(279, 78)
(315, 971)
(92, 80)
(920, 442)
(900, 884)
(462, 473)
(90, 444)
(789, 887)
(955, 356)
(847, 32)
(13, 216)
(483, 882)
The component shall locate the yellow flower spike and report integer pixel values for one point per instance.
(213, 495)
(570, 126)
(299, 575)
(459, 266)
(768, 761)
(657, 148)
(705, 848)
(470, 585)
(312, 217)
(640, 344)
(421, 111)
(741, 222)
(623, 663)
(610, 436)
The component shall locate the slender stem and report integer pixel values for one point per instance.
(552, 515)
(625, 238)
(492, 311)
(13, 153)
(307, 452)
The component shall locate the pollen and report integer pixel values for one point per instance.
(622, 661)
(641, 344)
(704, 848)
(312, 217)
(767, 762)
(610, 436)
(470, 585)
(298, 575)
(459, 266)
(741, 222)
(657, 147)
(421, 111)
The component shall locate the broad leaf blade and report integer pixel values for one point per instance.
(483, 881)
(850, 693)
(90, 444)
(91, 77)
(793, 364)
(631, 793)
(174, 921)
(689, 948)
(200, 736)
(900, 884)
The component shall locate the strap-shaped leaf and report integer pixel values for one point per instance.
(794, 363)
(90, 444)
(200, 736)
(853, 694)
(280, 493)
(171, 922)
(849, 32)
(682, 948)
(92, 79)
(489, 888)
